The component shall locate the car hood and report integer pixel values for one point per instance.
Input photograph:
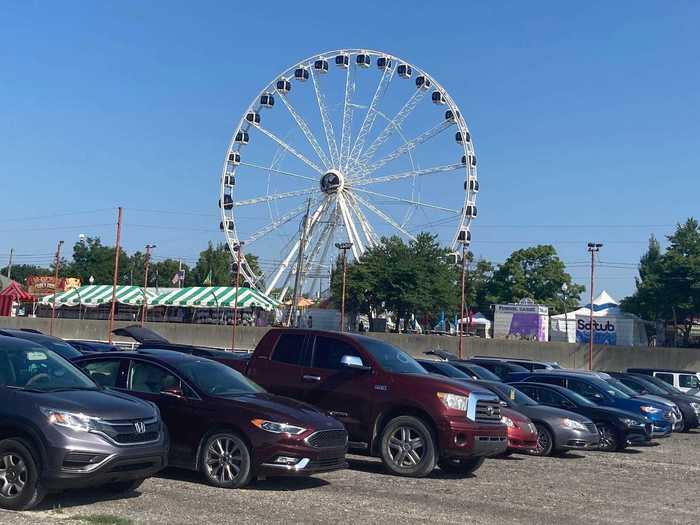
(619, 412)
(280, 409)
(656, 399)
(546, 413)
(105, 404)
(440, 383)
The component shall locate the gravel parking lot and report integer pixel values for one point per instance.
(655, 484)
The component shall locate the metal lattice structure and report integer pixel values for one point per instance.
(348, 165)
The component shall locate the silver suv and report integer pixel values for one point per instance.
(59, 429)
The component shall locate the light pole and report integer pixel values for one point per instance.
(593, 248)
(344, 246)
(238, 248)
(55, 285)
(149, 247)
(465, 244)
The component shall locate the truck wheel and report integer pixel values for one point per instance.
(408, 447)
(18, 477)
(225, 461)
(545, 441)
(125, 486)
(463, 466)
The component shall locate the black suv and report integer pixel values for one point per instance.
(59, 429)
(54, 344)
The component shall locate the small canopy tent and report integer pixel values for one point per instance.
(613, 326)
(478, 324)
(13, 293)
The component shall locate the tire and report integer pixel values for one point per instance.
(609, 438)
(17, 463)
(125, 487)
(463, 466)
(545, 441)
(225, 461)
(408, 447)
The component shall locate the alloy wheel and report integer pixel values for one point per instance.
(544, 442)
(224, 459)
(13, 475)
(608, 440)
(406, 447)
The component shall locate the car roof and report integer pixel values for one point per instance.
(478, 360)
(668, 370)
(558, 388)
(515, 359)
(30, 335)
(168, 357)
(15, 341)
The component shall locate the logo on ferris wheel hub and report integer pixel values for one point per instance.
(331, 182)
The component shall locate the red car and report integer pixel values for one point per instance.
(522, 434)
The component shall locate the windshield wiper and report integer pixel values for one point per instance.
(69, 388)
(25, 389)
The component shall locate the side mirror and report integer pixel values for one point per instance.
(173, 391)
(354, 362)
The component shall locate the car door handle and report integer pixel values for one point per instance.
(311, 379)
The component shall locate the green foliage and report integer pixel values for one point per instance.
(92, 258)
(217, 259)
(20, 272)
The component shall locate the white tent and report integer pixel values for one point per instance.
(613, 326)
(479, 324)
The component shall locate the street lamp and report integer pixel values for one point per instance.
(593, 248)
(344, 246)
(238, 248)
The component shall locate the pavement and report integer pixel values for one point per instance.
(652, 484)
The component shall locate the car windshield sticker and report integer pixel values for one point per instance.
(36, 356)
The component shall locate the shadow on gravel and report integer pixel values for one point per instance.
(280, 484)
(375, 467)
(81, 497)
(568, 455)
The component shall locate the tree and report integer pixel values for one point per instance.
(217, 259)
(536, 273)
(92, 258)
(20, 272)
(648, 302)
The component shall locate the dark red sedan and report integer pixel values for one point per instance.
(221, 423)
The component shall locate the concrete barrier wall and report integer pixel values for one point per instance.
(568, 355)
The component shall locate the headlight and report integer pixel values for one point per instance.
(695, 407)
(77, 422)
(629, 422)
(278, 428)
(649, 410)
(507, 421)
(453, 401)
(572, 424)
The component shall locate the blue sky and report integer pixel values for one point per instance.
(585, 117)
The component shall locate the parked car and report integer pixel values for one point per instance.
(52, 343)
(557, 429)
(220, 422)
(617, 428)
(687, 381)
(87, 347)
(522, 433)
(471, 369)
(530, 364)
(60, 430)
(504, 370)
(644, 385)
(392, 407)
(602, 393)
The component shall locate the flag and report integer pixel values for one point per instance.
(207, 279)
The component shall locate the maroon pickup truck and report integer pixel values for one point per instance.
(391, 407)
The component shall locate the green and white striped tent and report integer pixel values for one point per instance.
(99, 294)
(215, 297)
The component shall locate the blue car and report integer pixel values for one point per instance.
(603, 393)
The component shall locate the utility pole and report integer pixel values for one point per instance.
(179, 274)
(9, 264)
(300, 264)
(593, 248)
(116, 273)
(238, 248)
(465, 245)
(57, 265)
(344, 246)
(149, 247)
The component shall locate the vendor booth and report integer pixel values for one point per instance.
(612, 325)
(11, 296)
(524, 320)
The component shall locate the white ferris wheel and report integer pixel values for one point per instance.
(344, 146)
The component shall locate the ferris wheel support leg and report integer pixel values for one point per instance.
(357, 248)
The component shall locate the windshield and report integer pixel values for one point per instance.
(651, 388)
(579, 399)
(512, 395)
(215, 379)
(448, 370)
(660, 383)
(391, 358)
(621, 386)
(52, 343)
(26, 365)
(612, 389)
(477, 370)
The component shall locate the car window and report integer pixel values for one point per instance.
(664, 377)
(289, 349)
(149, 378)
(329, 351)
(534, 366)
(552, 398)
(550, 380)
(391, 358)
(688, 381)
(584, 388)
(105, 372)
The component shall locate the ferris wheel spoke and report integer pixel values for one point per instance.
(357, 247)
(284, 219)
(406, 147)
(384, 217)
(290, 149)
(275, 170)
(407, 201)
(347, 118)
(406, 174)
(327, 123)
(371, 114)
(276, 196)
(370, 235)
(392, 126)
(306, 131)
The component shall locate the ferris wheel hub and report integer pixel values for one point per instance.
(332, 182)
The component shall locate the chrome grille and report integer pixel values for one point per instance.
(488, 411)
(131, 431)
(328, 439)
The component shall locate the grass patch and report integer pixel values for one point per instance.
(103, 519)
